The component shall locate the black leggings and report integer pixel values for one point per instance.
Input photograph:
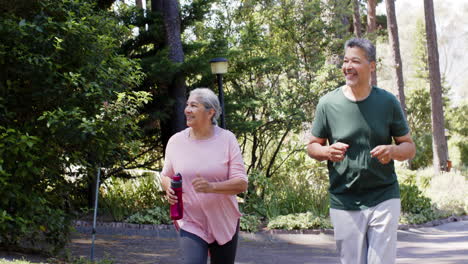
(195, 250)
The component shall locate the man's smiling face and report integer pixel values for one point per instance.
(357, 68)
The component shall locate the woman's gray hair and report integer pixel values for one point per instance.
(209, 99)
(365, 45)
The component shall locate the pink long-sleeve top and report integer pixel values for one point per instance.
(211, 216)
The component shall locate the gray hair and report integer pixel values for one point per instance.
(365, 45)
(209, 99)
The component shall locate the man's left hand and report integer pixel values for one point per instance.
(383, 153)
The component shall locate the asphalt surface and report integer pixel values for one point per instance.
(446, 243)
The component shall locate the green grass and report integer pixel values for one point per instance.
(3, 261)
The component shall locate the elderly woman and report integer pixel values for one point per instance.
(210, 162)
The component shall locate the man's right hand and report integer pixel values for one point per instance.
(337, 151)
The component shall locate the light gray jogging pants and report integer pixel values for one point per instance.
(367, 236)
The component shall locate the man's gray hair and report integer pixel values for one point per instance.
(365, 45)
(209, 99)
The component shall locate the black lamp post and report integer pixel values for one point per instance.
(219, 66)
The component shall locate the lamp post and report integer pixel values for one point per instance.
(448, 166)
(93, 231)
(219, 66)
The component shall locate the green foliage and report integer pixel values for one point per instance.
(412, 200)
(122, 198)
(426, 196)
(66, 105)
(250, 223)
(457, 118)
(82, 260)
(278, 69)
(300, 186)
(278, 54)
(448, 191)
(28, 200)
(4, 261)
(418, 101)
(154, 216)
(416, 208)
(299, 221)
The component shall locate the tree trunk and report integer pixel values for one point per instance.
(371, 18)
(356, 19)
(139, 3)
(439, 143)
(169, 10)
(395, 44)
(371, 27)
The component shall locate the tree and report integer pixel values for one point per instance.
(356, 19)
(277, 53)
(392, 28)
(371, 18)
(168, 67)
(139, 3)
(68, 103)
(169, 10)
(439, 143)
(418, 101)
(371, 27)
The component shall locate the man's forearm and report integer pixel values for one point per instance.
(317, 151)
(404, 151)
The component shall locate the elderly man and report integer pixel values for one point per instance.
(359, 122)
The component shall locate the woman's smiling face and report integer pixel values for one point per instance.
(196, 113)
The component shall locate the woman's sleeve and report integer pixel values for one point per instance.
(168, 169)
(236, 162)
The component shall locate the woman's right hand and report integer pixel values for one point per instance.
(170, 196)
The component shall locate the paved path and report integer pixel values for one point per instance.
(443, 244)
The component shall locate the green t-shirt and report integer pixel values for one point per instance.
(360, 181)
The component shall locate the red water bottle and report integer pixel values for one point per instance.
(177, 209)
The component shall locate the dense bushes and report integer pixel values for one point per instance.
(123, 198)
(66, 105)
(424, 197)
(30, 209)
(299, 221)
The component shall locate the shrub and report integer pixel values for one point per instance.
(458, 125)
(426, 197)
(423, 142)
(66, 101)
(122, 198)
(298, 187)
(31, 209)
(250, 223)
(154, 216)
(416, 208)
(299, 221)
(448, 192)
(413, 200)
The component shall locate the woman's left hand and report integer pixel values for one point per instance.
(202, 185)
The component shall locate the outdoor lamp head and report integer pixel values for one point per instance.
(219, 65)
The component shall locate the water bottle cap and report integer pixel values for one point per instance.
(177, 177)
(176, 181)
